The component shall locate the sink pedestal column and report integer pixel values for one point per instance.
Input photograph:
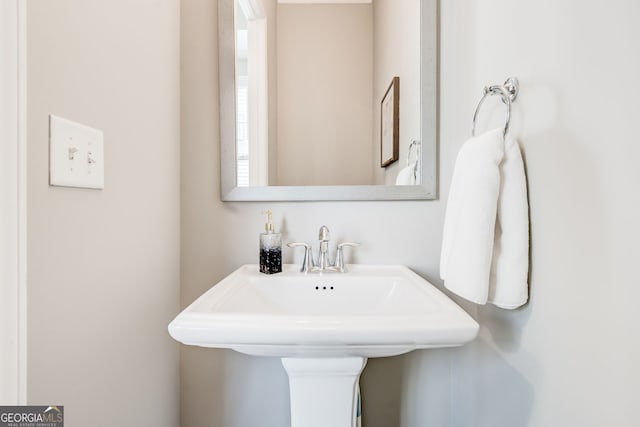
(323, 390)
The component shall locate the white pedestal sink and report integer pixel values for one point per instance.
(324, 327)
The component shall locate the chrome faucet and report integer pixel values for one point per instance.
(323, 264)
(323, 237)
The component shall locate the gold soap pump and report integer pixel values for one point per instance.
(270, 248)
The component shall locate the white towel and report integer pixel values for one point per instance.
(508, 286)
(407, 175)
(485, 243)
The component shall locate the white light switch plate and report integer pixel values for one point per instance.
(76, 154)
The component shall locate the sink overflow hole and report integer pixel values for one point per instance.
(324, 288)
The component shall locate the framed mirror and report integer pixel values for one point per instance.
(328, 99)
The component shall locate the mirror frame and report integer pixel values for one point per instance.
(427, 190)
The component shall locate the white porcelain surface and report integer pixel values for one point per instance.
(371, 311)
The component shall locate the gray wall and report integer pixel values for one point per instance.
(570, 357)
(396, 47)
(103, 266)
(566, 358)
(324, 77)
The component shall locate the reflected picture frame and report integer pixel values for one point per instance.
(390, 124)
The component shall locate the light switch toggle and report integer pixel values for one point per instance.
(72, 152)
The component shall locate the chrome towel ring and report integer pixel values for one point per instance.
(508, 92)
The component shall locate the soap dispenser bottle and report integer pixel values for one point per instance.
(270, 248)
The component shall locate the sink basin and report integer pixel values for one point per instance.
(370, 311)
(324, 327)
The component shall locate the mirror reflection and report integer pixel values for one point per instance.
(327, 94)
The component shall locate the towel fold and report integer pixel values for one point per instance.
(508, 286)
(485, 245)
(407, 175)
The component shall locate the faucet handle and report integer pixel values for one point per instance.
(340, 265)
(323, 234)
(307, 261)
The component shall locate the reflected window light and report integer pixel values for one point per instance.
(242, 129)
